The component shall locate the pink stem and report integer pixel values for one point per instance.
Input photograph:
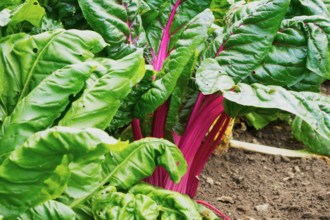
(136, 129)
(214, 209)
(158, 125)
(161, 56)
(177, 138)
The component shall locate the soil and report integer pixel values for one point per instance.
(267, 187)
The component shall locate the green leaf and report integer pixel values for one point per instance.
(259, 121)
(220, 8)
(40, 55)
(249, 98)
(118, 22)
(312, 7)
(172, 204)
(124, 115)
(206, 213)
(211, 77)
(42, 166)
(50, 210)
(305, 133)
(188, 103)
(192, 35)
(317, 31)
(30, 11)
(92, 109)
(47, 24)
(141, 158)
(39, 109)
(247, 37)
(110, 204)
(179, 90)
(184, 14)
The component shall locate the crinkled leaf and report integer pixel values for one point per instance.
(259, 121)
(47, 24)
(29, 10)
(307, 134)
(118, 22)
(220, 8)
(42, 165)
(211, 77)
(124, 115)
(311, 7)
(178, 92)
(50, 210)
(39, 109)
(40, 55)
(110, 204)
(100, 102)
(247, 37)
(141, 158)
(172, 204)
(175, 17)
(317, 31)
(188, 103)
(192, 35)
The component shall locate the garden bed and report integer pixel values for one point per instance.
(254, 179)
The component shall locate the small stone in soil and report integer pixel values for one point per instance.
(247, 218)
(252, 159)
(277, 159)
(223, 176)
(218, 183)
(307, 215)
(297, 169)
(261, 208)
(285, 159)
(263, 159)
(278, 127)
(225, 199)
(243, 208)
(209, 180)
(243, 128)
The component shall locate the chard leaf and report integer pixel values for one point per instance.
(191, 36)
(285, 63)
(110, 204)
(179, 90)
(188, 103)
(99, 103)
(317, 31)
(39, 109)
(311, 82)
(312, 7)
(305, 133)
(259, 121)
(118, 21)
(141, 158)
(247, 37)
(42, 166)
(40, 55)
(174, 18)
(221, 7)
(172, 204)
(211, 77)
(29, 10)
(248, 98)
(124, 115)
(50, 210)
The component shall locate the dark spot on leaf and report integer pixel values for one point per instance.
(319, 59)
(129, 114)
(91, 49)
(18, 92)
(117, 38)
(91, 13)
(35, 50)
(253, 72)
(83, 106)
(35, 3)
(266, 37)
(80, 55)
(157, 9)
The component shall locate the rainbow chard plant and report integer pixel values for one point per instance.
(265, 61)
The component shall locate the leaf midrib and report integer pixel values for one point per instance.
(34, 65)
